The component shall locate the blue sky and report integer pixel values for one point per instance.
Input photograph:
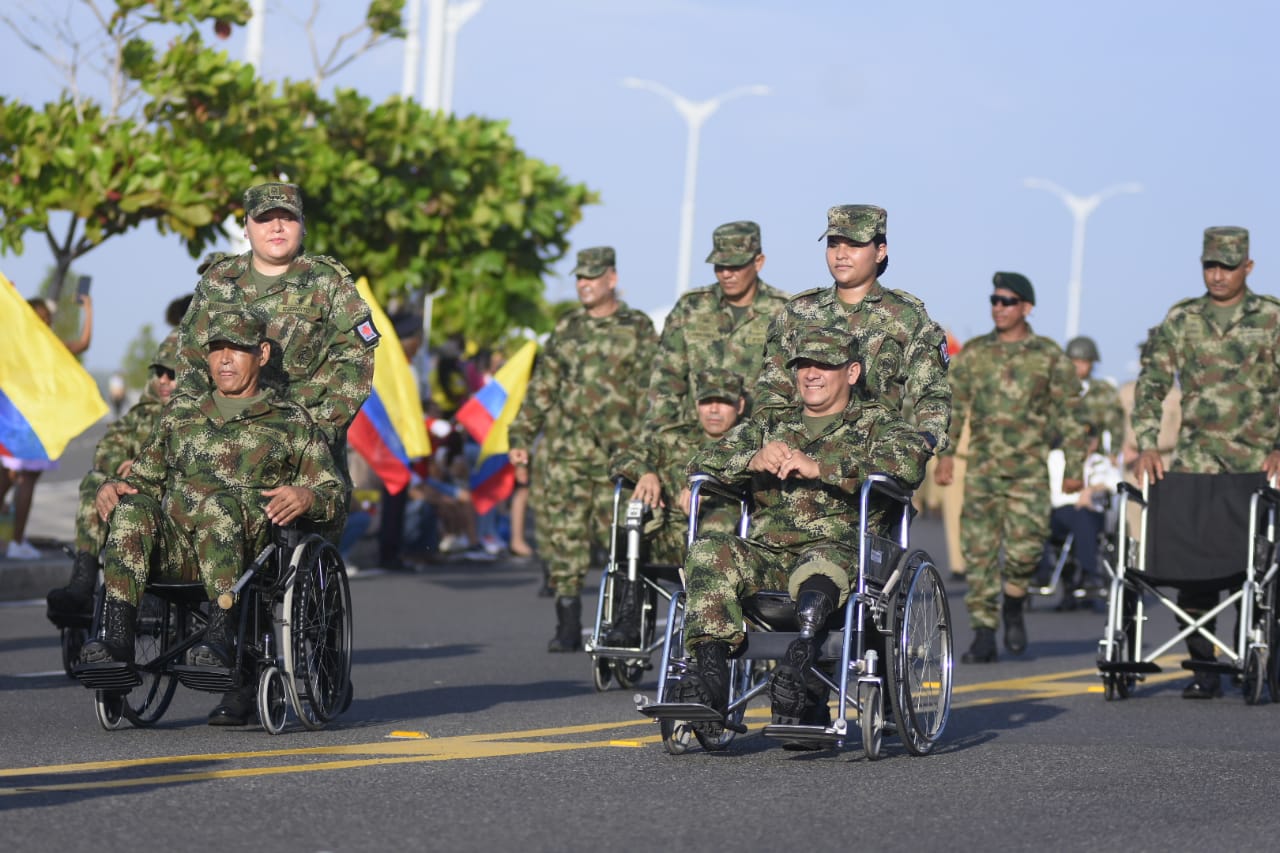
(935, 110)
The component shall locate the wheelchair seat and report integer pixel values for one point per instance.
(775, 610)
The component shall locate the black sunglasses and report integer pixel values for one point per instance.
(163, 371)
(1006, 301)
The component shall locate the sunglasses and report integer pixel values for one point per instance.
(1006, 301)
(163, 371)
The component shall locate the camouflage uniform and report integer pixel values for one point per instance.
(904, 352)
(122, 442)
(800, 528)
(199, 512)
(584, 397)
(703, 331)
(1019, 399)
(668, 457)
(1099, 410)
(321, 334)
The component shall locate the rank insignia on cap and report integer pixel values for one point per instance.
(946, 356)
(367, 331)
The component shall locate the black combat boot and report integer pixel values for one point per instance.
(1206, 685)
(545, 589)
(235, 708)
(625, 630)
(116, 643)
(219, 641)
(706, 682)
(76, 598)
(1015, 627)
(568, 636)
(983, 649)
(789, 687)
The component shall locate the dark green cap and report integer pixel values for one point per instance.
(860, 223)
(167, 353)
(238, 328)
(1018, 283)
(824, 345)
(595, 262)
(718, 384)
(734, 244)
(1225, 244)
(258, 200)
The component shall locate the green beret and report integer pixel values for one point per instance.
(1016, 282)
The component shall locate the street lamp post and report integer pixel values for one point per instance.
(1080, 207)
(456, 15)
(694, 113)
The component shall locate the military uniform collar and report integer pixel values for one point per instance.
(761, 288)
(1248, 305)
(209, 407)
(874, 294)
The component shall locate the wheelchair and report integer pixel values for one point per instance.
(1061, 554)
(293, 617)
(887, 654)
(1182, 518)
(659, 583)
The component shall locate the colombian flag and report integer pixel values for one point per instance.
(389, 430)
(46, 397)
(486, 416)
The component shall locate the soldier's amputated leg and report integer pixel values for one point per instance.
(116, 643)
(789, 686)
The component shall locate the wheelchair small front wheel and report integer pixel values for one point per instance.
(628, 673)
(109, 707)
(273, 702)
(675, 736)
(601, 672)
(871, 718)
(1254, 675)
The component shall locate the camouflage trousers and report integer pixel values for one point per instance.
(91, 532)
(573, 509)
(145, 543)
(1000, 513)
(723, 569)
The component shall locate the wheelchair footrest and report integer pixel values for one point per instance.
(108, 675)
(207, 678)
(1210, 666)
(803, 734)
(1128, 666)
(689, 712)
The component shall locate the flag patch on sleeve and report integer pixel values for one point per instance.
(367, 331)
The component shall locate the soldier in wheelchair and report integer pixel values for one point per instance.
(805, 468)
(200, 500)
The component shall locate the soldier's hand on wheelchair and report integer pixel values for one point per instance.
(109, 495)
(288, 503)
(1271, 465)
(1149, 465)
(648, 490)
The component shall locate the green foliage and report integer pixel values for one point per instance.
(414, 200)
(136, 367)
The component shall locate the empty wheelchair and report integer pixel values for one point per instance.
(651, 587)
(1197, 532)
(293, 617)
(887, 654)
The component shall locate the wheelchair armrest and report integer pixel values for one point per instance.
(703, 483)
(1270, 494)
(887, 485)
(1132, 491)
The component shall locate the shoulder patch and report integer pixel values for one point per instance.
(909, 298)
(813, 291)
(210, 260)
(336, 264)
(944, 355)
(367, 331)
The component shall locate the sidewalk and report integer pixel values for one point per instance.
(51, 525)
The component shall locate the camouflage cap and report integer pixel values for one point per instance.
(167, 353)
(734, 244)
(1018, 283)
(860, 223)
(824, 345)
(258, 200)
(718, 384)
(238, 328)
(595, 262)
(1082, 348)
(1225, 244)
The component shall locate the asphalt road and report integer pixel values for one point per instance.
(466, 735)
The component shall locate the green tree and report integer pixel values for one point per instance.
(136, 367)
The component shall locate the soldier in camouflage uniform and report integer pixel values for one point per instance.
(1222, 350)
(723, 325)
(113, 457)
(321, 333)
(1099, 408)
(659, 469)
(1018, 391)
(904, 352)
(198, 502)
(804, 467)
(585, 397)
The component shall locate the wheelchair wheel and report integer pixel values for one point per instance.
(160, 626)
(675, 736)
(72, 639)
(273, 700)
(601, 673)
(1271, 634)
(871, 718)
(316, 635)
(109, 707)
(922, 659)
(628, 673)
(1254, 675)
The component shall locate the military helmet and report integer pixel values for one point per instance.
(1082, 348)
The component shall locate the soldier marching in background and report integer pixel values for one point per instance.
(585, 397)
(1099, 408)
